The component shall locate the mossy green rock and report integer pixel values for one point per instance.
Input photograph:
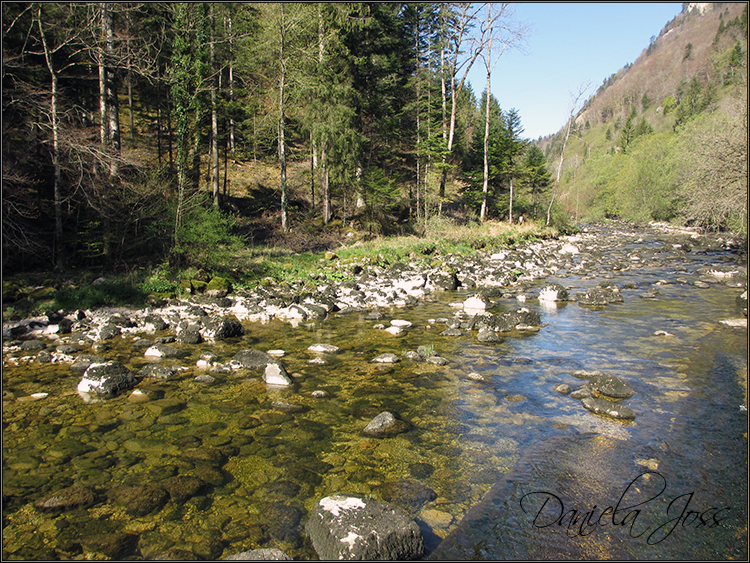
(11, 292)
(218, 287)
(42, 294)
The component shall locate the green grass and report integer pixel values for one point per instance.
(443, 238)
(100, 295)
(251, 266)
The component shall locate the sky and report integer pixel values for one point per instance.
(569, 45)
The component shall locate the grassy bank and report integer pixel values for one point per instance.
(249, 266)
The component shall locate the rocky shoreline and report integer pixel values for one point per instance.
(169, 329)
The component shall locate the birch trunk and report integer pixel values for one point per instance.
(58, 251)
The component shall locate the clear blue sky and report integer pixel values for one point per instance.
(569, 44)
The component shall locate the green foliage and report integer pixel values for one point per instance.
(669, 104)
(105, 294)
(206, 239)
(688, 52)
(645, 101)
(159, 284)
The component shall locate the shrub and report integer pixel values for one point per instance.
(206, 240)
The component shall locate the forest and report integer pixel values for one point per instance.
(175, 132)
(125, 125)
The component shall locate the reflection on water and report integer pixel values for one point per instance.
(262, 457)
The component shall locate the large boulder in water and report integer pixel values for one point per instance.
(219, 328)
(611, 386)
(106, 378)
(353, 528)
(253, 359)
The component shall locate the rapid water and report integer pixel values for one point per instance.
(476, 466)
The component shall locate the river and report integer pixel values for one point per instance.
(494, 466)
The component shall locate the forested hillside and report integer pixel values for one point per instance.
(171, 131)
(665, 138)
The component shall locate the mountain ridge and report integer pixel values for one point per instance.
(660, 69)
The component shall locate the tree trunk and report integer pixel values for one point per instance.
(231, 85)
(58, 251)
(324, 184)
(581, 92)
(360, 192)
(444, 175)
(313, 168)
(282, 147)
(214, 118)
(510, 204)
(486, 167)
(130, 109)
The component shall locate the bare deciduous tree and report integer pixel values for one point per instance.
(575, 99)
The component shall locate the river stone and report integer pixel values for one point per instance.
(182, 487)
(386, 359)
(115, 545)
(275, 374)
(254, 359)
(32, 345)
(611, 386)
(553, 292)
(282, 521)
(154, 322)
(108, 332)
(165, 406)
(599, 296)
(157, 371)
(76, 496)
(408, 494)
(265, 554)
(219, 328)
(562, 388)
(581, 393)
(324, 348)
(452, 332)
(384, 425)
(437, 360)
(476, 303)
(106, 378)
(487, 335)
(602, 406)
(352, 528)
(139, 500)
(163, 351)
(584, 374)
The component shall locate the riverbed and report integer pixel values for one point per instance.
(489, 440)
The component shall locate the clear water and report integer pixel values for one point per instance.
(473, 448)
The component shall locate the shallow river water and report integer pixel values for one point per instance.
(500, 468)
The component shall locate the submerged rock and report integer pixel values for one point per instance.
(265, 554)
(602, 406)
(76, 496)
(353, 528)
(384, 425)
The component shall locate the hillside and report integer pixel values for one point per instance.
(693, 74)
